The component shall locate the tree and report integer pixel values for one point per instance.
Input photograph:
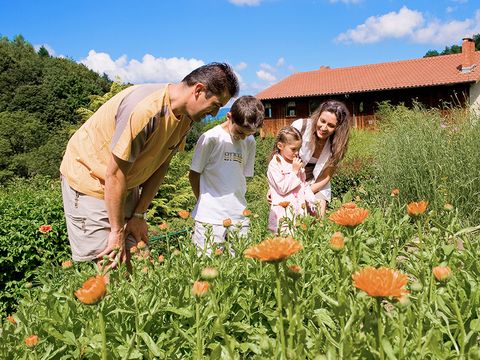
(454, 49)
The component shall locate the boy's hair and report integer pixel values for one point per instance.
(282, 137)
(248, 112)
(217, 78)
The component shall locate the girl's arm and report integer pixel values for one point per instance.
(322, 179)
(281, 181)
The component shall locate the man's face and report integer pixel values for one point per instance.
(201, 106)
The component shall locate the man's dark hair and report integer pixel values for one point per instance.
(217, 77)
(248, 112)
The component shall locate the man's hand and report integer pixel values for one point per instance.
(138, 229)
(115, 249)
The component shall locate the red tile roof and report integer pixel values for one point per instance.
(437, 70)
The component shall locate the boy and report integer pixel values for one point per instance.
(223, 157)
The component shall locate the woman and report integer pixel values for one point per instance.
(325, 141)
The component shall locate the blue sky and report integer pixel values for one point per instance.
(264, 40)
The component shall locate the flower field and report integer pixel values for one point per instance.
(397, 286)
(391, 272)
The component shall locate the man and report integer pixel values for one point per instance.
(126, 145)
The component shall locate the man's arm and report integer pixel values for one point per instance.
(138, 227)
(194, 178)
(115, 193)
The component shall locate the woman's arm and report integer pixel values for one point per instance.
(322, 179)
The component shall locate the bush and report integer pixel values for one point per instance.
(430, 157)
(26, 205)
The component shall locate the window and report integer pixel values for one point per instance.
(312, 106)
(291, 109)
(268, 110)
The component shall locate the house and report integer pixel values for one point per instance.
(438, 81)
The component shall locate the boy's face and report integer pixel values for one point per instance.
(238, 132)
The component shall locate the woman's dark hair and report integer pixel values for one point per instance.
(339, 139)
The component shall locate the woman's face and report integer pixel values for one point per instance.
(326, 125)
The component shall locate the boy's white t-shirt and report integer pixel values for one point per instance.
(223, 165)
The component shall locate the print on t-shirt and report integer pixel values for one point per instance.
(233, 156)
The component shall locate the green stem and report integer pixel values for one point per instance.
(462, 336)
(401, 341)
(199, 333)
(379, 328)
(104, 336)
(280, 311)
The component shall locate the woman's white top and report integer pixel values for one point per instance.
(306, 153)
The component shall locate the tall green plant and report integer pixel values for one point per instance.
(429, 156)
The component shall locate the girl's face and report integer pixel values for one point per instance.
(326, 125)
(289, 150)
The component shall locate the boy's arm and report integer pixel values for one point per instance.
(194, 178)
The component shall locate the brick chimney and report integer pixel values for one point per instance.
(468, 54)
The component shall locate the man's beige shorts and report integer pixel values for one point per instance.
(87, 222)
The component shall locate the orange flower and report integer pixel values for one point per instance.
(349, 205)
(67, 264)
(337, 241)
(349, 216)
(395, 192)
(45, 229)
(284, 204)
(295, 268)
(303, 226)
(145, 270)
(227, 222)
(92, 290)
(141, 245)
(417, 208)
(442, 273)
(161, 258)
(199, 288)
(11, 320)
(209, 273)
(163, 226)
(218, 251)
(381, 282)
(133, 249)
(246, 212)
(184, 214)
(274, 250)
(31, 341)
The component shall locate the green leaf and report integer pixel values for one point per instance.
(387, 347)
(475, 325)
(151, 344)
(185, 312)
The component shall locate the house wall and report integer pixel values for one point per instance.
(363, 106)
(475, 98)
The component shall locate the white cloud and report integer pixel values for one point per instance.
(346, 1)
(265, 75)
(246, 2)
(280, 62)
(450, 9)
(241, 66)
(149, 69)
(268, 67)
(410, 24)
(390, 25)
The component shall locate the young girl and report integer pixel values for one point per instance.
(289, 193)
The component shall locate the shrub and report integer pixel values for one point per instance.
(430, 157)
(26, 205)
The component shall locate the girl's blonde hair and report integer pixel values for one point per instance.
(283, 137)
